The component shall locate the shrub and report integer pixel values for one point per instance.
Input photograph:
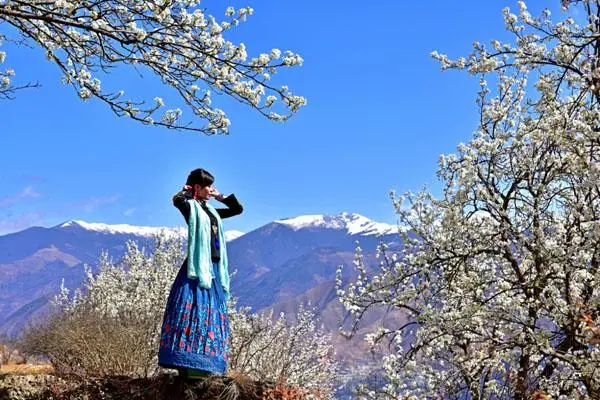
(112, 326)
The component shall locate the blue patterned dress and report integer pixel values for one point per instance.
(195, 329)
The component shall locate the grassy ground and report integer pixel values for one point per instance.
(26, 369)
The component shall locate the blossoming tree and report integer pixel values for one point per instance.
(174, 39)
(500, 276)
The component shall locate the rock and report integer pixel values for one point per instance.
(18, 359)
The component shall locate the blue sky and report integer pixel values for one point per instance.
(379, 114)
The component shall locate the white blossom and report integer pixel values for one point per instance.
(270, 100)
(298, 353)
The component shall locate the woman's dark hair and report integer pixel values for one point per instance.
(201, 177)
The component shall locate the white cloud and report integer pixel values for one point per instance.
(26, 193)
(94, 203)
(21, 222)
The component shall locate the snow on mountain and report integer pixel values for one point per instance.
(231, 235)
(354, 224)
(351, 224)
(124, 229)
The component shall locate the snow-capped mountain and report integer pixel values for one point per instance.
(353, 224)
(278, 262)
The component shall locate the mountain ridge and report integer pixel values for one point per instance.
(353, 223)
(278, 266)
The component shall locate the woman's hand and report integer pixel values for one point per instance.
(215, 193)
(189, 191)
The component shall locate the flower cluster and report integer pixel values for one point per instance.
(175, 40)
(293, 350)
(7, 88)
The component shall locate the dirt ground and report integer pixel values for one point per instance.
(36, 382)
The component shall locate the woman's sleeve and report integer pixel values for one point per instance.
(180, 201)
(233, 207)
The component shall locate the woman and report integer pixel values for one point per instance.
(195, 330)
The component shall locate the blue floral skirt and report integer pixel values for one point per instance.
(195, 329)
